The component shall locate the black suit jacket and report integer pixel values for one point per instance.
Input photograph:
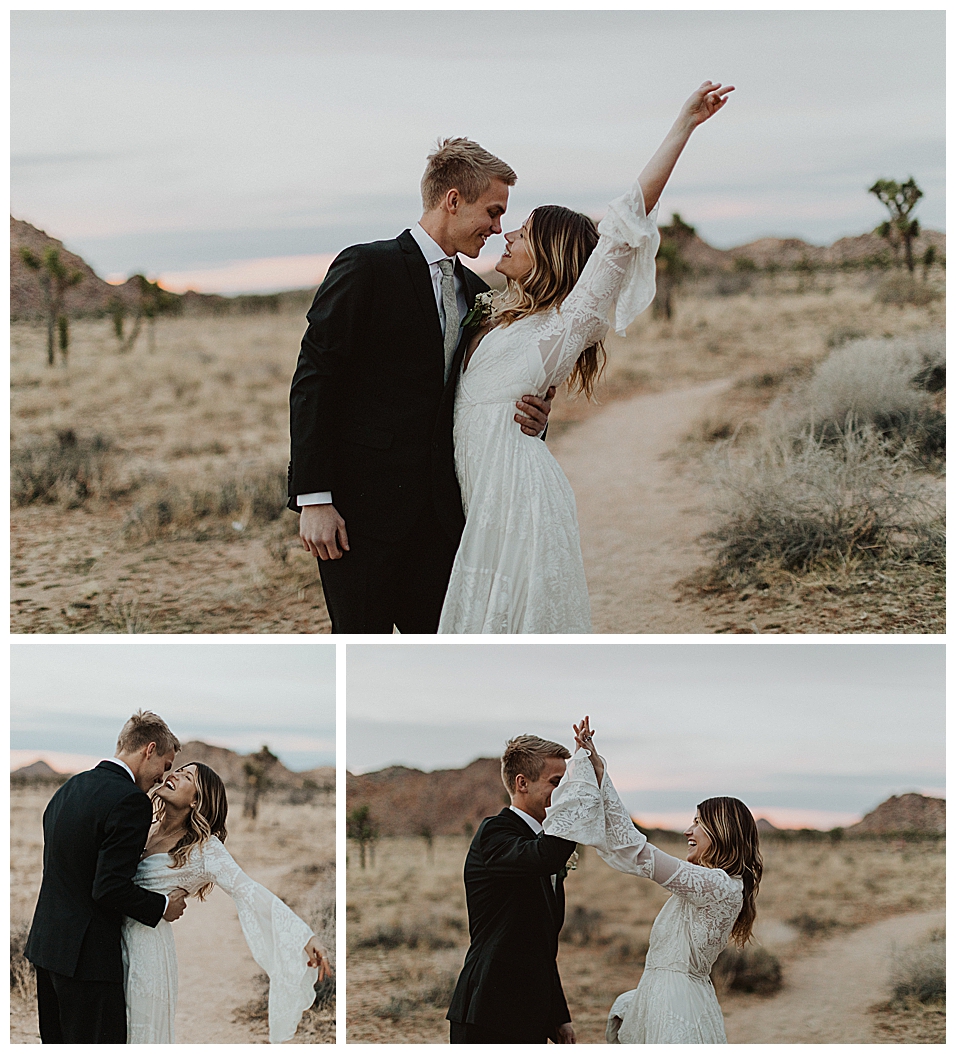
(371, 414)
(509, 982)
(94, 832)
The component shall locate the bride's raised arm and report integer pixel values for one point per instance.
(618, 281)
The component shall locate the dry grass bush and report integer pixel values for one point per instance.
(801, 501)
(420, 933)
(22, 977)
(901, 289)
(67, 470)
(747, 969)
(919, 972)
(240, 499)
(885, 384)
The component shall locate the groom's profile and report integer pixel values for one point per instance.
(372, 468)
(509, 990)
(94, 831)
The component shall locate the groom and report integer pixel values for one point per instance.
(378, 495)
(94, 832)
(509, 990)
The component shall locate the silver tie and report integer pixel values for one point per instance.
(449, 300)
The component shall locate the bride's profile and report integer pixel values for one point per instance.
(713, 898)
(185, 850)
(519, 567)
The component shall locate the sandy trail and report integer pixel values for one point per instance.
(640, 515)
(828, 993)
(215, 970)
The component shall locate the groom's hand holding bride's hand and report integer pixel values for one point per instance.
(316, 957)
(584, 739)
(175, 905)
(534, 412)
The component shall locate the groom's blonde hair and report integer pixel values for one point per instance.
(143, 728)
(525, 756)
(462, 165)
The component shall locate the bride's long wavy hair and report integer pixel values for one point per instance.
(734, 848)
(559, 243)
(206, 819)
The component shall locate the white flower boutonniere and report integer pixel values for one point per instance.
(482, 309)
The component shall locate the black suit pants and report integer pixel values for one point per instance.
(402, 582)
(73, 1011)
(462, 1032)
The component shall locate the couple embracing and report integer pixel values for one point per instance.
(124, 846)
(430, 505)
(509, 990)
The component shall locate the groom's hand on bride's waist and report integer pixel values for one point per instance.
(533, 417)
(175, 905)
(322, 531)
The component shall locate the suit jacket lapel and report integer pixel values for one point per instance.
(422, 282)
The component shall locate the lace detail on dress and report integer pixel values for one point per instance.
(275, 934)
(675, 1001)
(519, 567)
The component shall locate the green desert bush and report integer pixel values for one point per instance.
(800, 501)
(919, 971)
(748, 970)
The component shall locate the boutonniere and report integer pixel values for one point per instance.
(481, 310)
(571, 865)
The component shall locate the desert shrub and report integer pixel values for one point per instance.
(582, 926)
(67, 470)
(748, 970)
(625, 948)
(418, 934)
(919, 972)
(811, 925)
(902, 288)
(883, 384)
(22, 977)
(804, 501)
(434, 992)
(249, 497)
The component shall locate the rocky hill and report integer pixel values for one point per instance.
(904, 814)
(406, 801)
(227, 763)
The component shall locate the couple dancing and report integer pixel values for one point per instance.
(430, 504)
(509, 990)
(124, 845)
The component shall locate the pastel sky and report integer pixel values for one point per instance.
(69, 699)
(240, 150)
(807, 734)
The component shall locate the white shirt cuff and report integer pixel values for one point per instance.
(318, 497)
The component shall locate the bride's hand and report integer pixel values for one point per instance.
(317, 958)
(584, 738)
(705, 102)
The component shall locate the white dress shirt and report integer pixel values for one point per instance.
(529, 820)
(433, 253)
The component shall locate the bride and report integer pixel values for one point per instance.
(713, 902)
(185, 851)
(518, 568)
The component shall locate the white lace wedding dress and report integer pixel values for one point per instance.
(276, 937)
(519, 567)
(674, 1001)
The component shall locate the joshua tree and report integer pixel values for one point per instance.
(429, 836)
(257, 768)
(153, 301)
(672, 268)
(362, 829)
(900, 199)
(55, 279)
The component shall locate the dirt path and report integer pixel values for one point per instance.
(640, 515)
(215, 971)
(829, 993)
